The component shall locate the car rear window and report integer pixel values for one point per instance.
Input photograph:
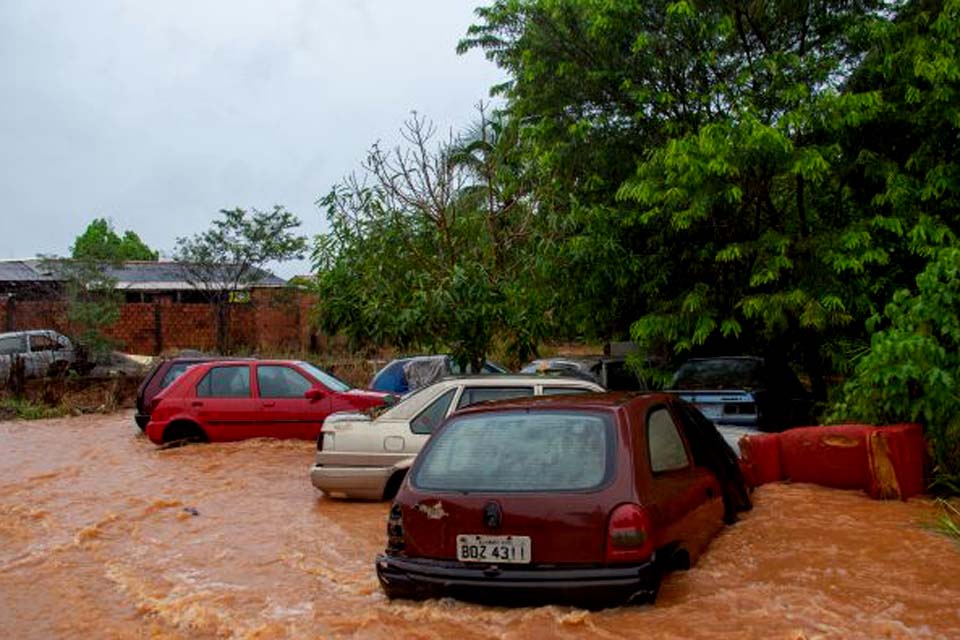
(519, 452)
(13, 344)
(473, 395)
(722, 373)
(174, 372)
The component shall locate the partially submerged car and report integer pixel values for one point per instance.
(43, 352)
(365, 458)
(583, 500)
(404, 375)
(233, 400)
(744, 392)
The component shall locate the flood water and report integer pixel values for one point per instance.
(102, 535)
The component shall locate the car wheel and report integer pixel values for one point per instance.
(182, 433)
(58, 369)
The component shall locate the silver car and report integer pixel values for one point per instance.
(44, 352)
(366, 458)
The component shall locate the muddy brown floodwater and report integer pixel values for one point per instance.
(102, 535)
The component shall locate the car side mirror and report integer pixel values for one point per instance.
(314, 393)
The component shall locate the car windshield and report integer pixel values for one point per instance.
(722, 373)
(519, 452)
(328, 380)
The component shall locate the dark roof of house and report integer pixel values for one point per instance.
(139, 275)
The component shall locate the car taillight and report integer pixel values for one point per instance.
(325, 441)
(395, 538)
(629, 534)
(154, 404)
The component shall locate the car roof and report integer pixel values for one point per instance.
(586, 401)
(30, 332)
(754, 358)
(500, 379)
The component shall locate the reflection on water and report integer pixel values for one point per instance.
(102, 535)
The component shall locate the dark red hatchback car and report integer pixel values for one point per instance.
(570, 499)
(233, 400)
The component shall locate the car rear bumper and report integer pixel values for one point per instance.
(595, 587)
(358, 483)
(142, 420)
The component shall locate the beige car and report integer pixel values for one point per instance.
(366, 458)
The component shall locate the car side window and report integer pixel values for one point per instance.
(225, 382)
(664, 443)
(281, 382)
(11, 345)
(174, 372)
(473, 395)
(564, 391)
(431, 417)
(43, 343)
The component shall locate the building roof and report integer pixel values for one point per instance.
(133, 275)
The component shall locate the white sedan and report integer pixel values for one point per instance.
(366, 458)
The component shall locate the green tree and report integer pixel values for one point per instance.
(912, 370)
(437, 245)
(92, 301)
(737, 228)
(909, 172)
(231, 255)
(100, 242)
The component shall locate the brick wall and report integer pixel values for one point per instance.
(274, 320)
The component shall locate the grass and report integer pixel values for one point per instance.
(949, 521)
(26, 410)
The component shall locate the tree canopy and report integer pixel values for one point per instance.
(100, 242)
(231, 255)
(714, 177)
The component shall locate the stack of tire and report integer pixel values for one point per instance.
(885, 461)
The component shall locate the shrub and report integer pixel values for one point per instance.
(912, 368)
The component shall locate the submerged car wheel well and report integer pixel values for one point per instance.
(182, 432)
(393, 484)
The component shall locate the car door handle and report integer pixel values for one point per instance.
(269, 404)
(196, 404)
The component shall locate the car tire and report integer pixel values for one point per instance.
(58, 369)
(179, 434)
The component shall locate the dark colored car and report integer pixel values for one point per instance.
(161, 377)
(744, 391)
(398, 375)
(233, 400)
(583, 500)
(612, 372)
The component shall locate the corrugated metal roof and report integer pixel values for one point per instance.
(136, 274)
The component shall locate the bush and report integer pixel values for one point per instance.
(911, 371)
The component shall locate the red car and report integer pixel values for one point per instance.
(224, 400)
(582, 499)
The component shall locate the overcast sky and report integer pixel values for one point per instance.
(158, 114)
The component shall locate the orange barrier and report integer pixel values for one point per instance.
(886, 462)
(897, 456)
(832, 456)
(760, 458)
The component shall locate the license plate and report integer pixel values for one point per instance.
(493, 549)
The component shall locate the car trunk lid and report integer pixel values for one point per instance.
(720, 405)
(439, 526)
